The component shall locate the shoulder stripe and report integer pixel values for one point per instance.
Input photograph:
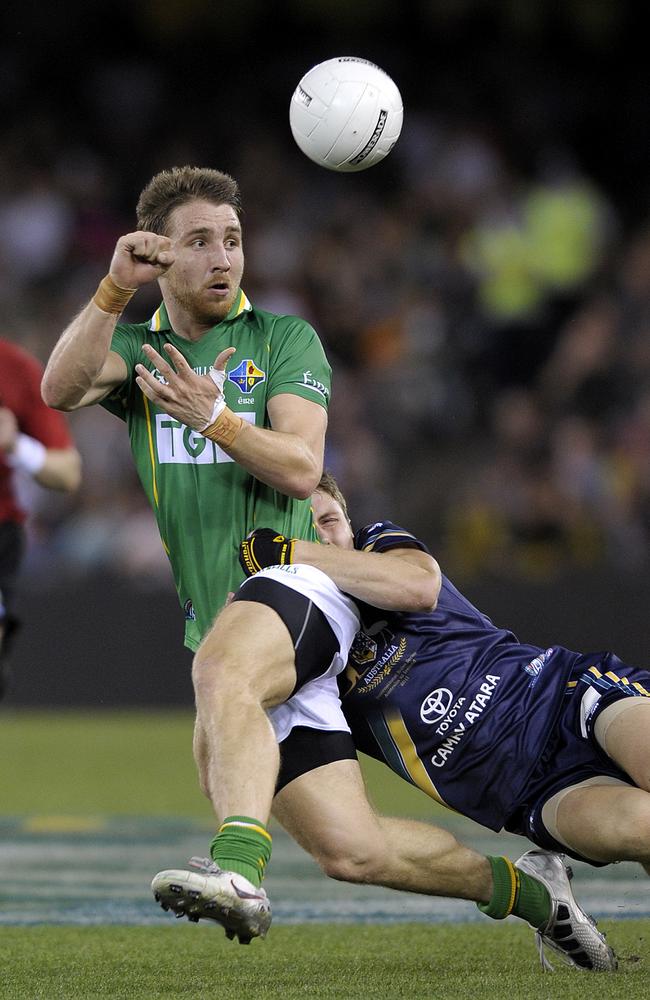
(387, 534)
(244, 304)
(155, 320)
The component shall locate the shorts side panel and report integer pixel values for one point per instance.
(305, 749)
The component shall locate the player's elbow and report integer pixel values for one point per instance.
(302, 492)
(421, 591)
(301, 483)
(52, 395)
(421, 603)
(426, 595)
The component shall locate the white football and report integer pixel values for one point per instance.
(346, 114)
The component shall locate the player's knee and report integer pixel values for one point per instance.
(223, 682)
(633, 829)
(640, 829)
(211, 673)
(359, 863)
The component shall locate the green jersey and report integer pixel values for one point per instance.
(204, 502)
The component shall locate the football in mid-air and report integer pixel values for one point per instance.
(346, 114)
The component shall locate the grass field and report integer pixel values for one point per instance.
(412, 961)
(93, 803)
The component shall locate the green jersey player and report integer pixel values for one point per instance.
(226, 407)
(206, 493)
(204, 501)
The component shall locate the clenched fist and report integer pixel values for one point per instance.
(140, 258)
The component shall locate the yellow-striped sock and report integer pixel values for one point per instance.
(516, 892)
(242, 844)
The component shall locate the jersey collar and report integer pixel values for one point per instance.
(160, 320)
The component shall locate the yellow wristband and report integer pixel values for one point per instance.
(111, 298)
(225, 428)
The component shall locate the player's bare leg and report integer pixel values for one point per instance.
(623, 731)
(244, 666)
(201, 757)
(611, 822)
(606, 823)
(327, 812)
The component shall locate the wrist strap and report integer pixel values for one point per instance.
(219, 378)
(111, 298)
(225, 428)
(28, 455)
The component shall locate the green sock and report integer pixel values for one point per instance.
(515, 892)
(242, 845)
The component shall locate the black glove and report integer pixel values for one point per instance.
(264, 547)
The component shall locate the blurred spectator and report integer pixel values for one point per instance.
(35, 444)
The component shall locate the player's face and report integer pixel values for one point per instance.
(331, 523)
(207, 271)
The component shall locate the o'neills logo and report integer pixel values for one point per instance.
(373, 140)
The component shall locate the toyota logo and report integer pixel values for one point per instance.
(435, 705)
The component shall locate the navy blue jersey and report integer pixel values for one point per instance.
(448, 700)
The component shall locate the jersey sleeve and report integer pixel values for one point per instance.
(383, 536)
(127, 342)
(35, 418)
(299, 365)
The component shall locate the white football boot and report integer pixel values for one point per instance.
(570, 931)
(209, 893)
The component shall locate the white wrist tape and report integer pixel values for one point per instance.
(28, 455)
(219, 379)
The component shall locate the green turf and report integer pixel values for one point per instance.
(409, 961)
(140, 763)
(129, 763)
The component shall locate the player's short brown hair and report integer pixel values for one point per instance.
(329, 485)
(171, 188)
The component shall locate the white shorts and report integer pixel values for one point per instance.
(316, 704)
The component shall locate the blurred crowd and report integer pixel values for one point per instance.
(487, 318)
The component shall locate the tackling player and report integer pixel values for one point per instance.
(36, 441)
(320, 795)
(547, 743)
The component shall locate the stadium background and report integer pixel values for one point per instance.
(484, 298)
(483, 295)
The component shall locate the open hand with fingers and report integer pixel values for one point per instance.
(183, 395)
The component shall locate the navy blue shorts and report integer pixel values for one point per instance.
(572, 754)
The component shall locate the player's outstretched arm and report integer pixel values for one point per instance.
(403, 579)
(398, 580)
(82, 369)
